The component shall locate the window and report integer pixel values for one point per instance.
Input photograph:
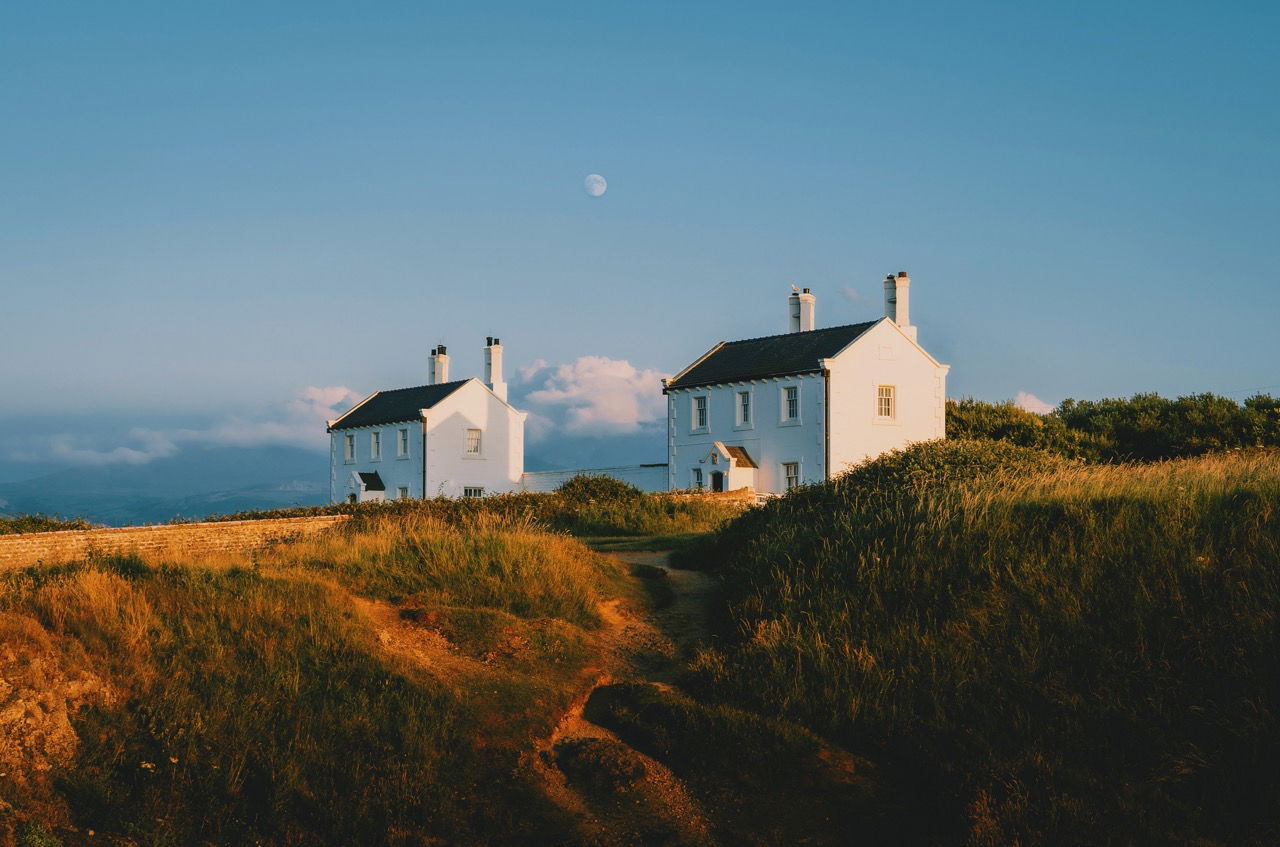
(402, 443)
(375, 446)
(697, 478)
(348, 448)
(791, 472)
(744, 408)
(791, 403)
(472, 491)
(885, 407)
(402, 493)
(473, 443)
(699, 412)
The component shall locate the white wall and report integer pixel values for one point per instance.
(450, 468)
(396, 471)
(883, 356)
(649, 478)
(768, 439)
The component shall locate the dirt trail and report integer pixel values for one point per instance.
(617, 794)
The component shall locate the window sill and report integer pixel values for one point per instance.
(795, 422)
(744, 427)
(472, 456)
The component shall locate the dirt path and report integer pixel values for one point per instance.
(617, 794)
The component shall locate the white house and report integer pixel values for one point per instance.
(458, 438)
(776, 412)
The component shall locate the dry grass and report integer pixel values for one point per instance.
(244, 680)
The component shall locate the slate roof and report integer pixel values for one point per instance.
(773, 355)
(372, 482)
(740, 456)
(400, 404)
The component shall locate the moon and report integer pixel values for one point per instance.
(595, 185)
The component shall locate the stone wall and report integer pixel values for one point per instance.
(230, 536)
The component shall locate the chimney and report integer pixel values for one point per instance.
(439, 371)
(800, 307)
(493, 367)
(897, 302)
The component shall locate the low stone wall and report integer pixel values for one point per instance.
(232, 536)
(651, 478)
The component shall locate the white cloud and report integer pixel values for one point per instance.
(853, 295)
(592, 395)
(1031, 403)
(299, 422)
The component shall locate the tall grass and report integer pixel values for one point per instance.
(255, 703)
(567, 511)
(1045, 652)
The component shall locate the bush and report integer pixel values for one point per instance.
(1047, 651)
(40, 523)
(586, 488)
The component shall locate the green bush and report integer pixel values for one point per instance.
(40, 523)
(1038, 651)
(1144, 427)
(587, 488)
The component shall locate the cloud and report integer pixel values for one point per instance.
(299, 422)
(592, 395)
(853, 295)
(1031, 403)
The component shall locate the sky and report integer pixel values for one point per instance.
(220, 221)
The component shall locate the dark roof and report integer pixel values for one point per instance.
(740, 457)
(773, 355)
(401, 404)
(372, 482)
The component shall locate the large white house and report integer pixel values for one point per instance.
(458, 439)
(772, 413)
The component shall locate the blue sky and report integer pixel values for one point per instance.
(207, 209)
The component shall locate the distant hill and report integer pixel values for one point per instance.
(193, 484)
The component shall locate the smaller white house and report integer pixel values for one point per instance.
(458, 439)
(775, 412)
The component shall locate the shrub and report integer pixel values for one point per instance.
(586, 488)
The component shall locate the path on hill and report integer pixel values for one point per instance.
(617, 794)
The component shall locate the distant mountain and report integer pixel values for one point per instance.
(192, 484)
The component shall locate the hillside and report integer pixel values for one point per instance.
(408, 679)
(964, 643)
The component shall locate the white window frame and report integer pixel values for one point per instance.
(402, 492)
(886, 393)
(349, 448)
(787, 477)
(471, 491)
(784, 405)
(375, 446)
(744, 421)
(694, 408)
(695, 478)
(479, 445)
(402, 443)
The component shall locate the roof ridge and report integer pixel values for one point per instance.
(804, 332)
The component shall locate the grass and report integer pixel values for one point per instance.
(1040, 652)
(610, 515)
(254, 701)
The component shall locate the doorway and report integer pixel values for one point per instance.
(717, 481)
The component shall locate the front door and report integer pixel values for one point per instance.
(717, 481)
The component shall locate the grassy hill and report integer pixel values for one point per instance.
(1033, 650)
(964, 643)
